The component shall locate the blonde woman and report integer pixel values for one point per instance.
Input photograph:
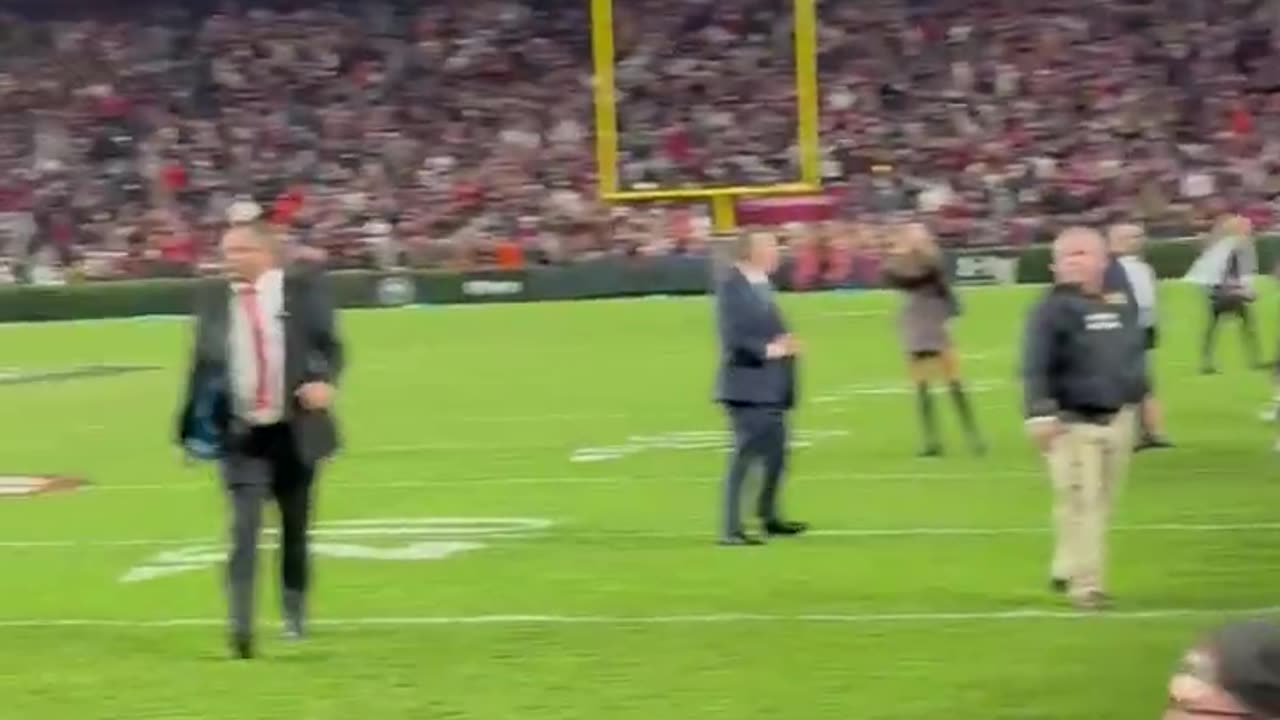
(914, 266)
(1226, 270)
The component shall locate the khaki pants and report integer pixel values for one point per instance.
(1087, 463)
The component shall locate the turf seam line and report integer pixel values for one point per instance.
(674, 619)
(619, 479)
(544, 534)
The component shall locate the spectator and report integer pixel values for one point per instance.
(1235, 672)
(1000, 121)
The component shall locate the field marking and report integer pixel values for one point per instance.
(988, 354)
(682, 619)
(855, 313)
(949, 531)
(587, 480)
(533, 418)
(710, 477)
(537, 418)
(418, 539)
(493, 419)
(392, 484)
(721, 440)
(853, 391)
(635, 442)
(349, 530)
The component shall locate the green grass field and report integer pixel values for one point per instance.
(522, 524)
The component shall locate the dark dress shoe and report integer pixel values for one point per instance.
(785, 527)
(1153, 442)
(241, 647)
(740, 538)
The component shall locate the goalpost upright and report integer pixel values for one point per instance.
(722, 199)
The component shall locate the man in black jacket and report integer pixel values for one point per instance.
(1081, 371)
(265, 363)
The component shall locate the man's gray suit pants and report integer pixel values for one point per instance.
(267, 465)
(759, 433)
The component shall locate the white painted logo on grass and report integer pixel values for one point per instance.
(691, 440)
(27, 485)
(404, 539)
(845, 392)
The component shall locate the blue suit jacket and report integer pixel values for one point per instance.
(747, 322)
(1115, 284)
(1118, 292)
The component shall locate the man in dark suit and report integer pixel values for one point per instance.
(265, 362)
(756, 384)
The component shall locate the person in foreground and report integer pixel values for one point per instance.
(1234, 672)
(914, 266)
(266, 359)
(756, 384)
(1080, 367)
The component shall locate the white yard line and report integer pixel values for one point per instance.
(644, 534)
(681, 619)
(576, 480)
(391, 484)
(945, 531)
(710, 477)
(855, 313)
(539, 418)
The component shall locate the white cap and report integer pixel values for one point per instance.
(243, 211)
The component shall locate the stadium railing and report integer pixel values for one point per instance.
(601, 278)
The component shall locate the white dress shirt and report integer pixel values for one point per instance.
(1143, 281)
(758, 280)
(242, 353)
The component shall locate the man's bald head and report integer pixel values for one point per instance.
(1079, 258)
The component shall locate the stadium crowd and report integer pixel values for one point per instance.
(459, 132)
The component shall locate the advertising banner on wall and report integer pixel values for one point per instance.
(993, 266)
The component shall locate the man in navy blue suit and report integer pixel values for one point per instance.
(756, 384)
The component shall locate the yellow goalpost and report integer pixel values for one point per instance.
(721, 199)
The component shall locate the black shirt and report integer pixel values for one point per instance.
(1081, 355)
